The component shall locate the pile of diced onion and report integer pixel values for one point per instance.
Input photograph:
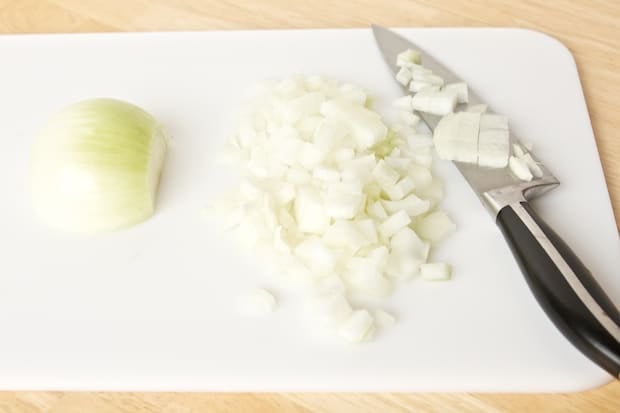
(333, 197)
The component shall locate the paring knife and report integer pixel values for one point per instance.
(561, 283)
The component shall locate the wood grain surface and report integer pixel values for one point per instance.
(591, 30)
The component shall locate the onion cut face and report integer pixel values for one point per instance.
(335, 196)
(96, 166)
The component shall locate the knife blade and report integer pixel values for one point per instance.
(561, 283)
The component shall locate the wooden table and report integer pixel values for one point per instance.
(590, 28)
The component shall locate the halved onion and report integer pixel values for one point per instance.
(96, 166)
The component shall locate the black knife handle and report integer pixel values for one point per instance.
(563, 286)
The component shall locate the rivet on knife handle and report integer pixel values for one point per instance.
(563, 286)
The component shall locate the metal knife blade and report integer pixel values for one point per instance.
(482, 180)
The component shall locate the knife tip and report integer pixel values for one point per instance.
(380, 32)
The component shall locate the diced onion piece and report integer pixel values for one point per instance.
(409, 118)
(411, 204)
(304, 105)
(400, 189)
(418, 68)
(456, 137)
(393, 224)
(96, 166)
(359, 168)
(298, 175)
(532, 165)
(284, 192)
(258, 302)
(326, 174)
(400, 164)
(436, 271)
(311, 155)
(403, 76)
(308, 125)
(493, 148)
(379, 255)
(424, 159)
(385, 174)
(408, 58)
(365, 274)
(292, 270)
(384, 319)
(435, 226)
(365, 125)
(286, 219)
(429, 88)
(343, 201)
(402, 130)
(369, 230)
(279, 241)
(429, 78)
(461, 90)
(342, 154)
(421, 175)
(345, 234)
(329, 133)
(402, 265)
(518, 150)
(354, 94)
(290, 87)
(406, 240)
(249, 189)
(432, 192)
(493, 141)
(417, 86)
(357, 327)
(520, 169)
(289, 149)
(310, 213)
(377, 211)
(315, 254)
(396, 152)
(439, 102)
(403, 103)
(372, 190)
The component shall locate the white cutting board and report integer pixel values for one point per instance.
(152, 307)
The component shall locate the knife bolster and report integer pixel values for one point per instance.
(496, 199)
